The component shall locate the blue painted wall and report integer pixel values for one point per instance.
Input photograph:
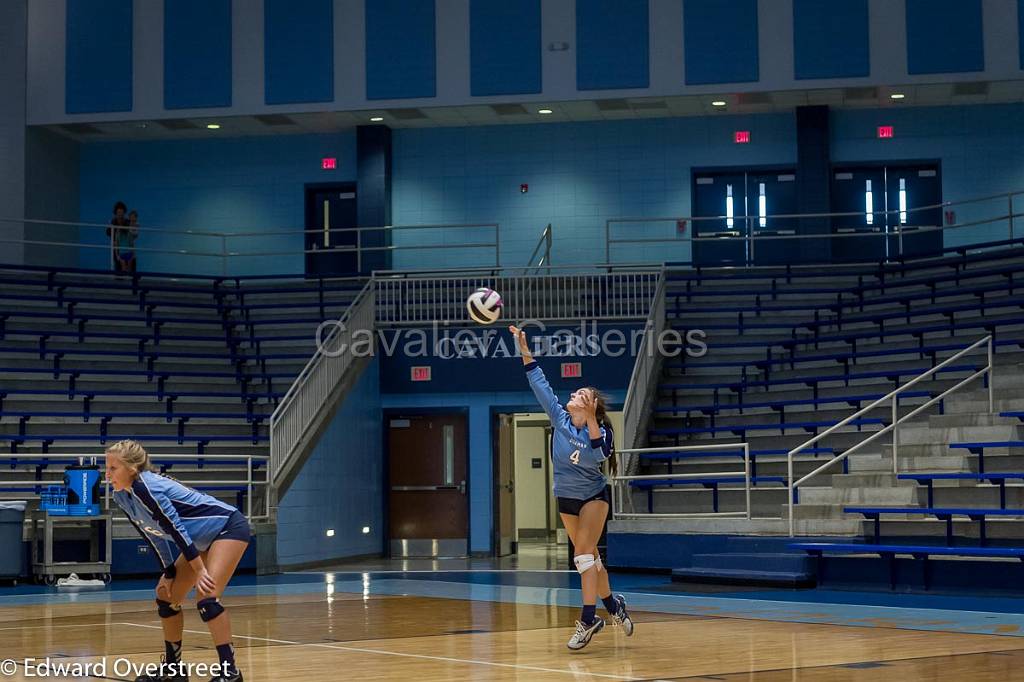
(830, 39)
(252, 184)
(98, 57)
(980, 149)
(579, 175)
(720, 41)
(612, 39)
(1020, 31)
(401, 52)
(197, 53)
(944, 36)
(505, 49)
(340, 485)
(298, 51)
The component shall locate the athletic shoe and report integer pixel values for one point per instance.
(583, 634)
(166, 673)
(237, 677)
(622, 617)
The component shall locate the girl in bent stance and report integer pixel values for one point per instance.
(211, 537)
(581, 440)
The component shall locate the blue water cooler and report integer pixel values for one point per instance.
(83, 490)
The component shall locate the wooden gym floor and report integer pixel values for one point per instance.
(511, 624)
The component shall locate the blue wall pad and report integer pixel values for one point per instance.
(944, 36)
(720, 41)
(197, 53)
(401, 54)
(830, 39)
(504, 47)
(298, 51)
(612, 44)
(98, 56)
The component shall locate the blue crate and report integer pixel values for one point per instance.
(54, 500)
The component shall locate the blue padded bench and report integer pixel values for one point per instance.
(942, 513)
(711, 483)
(979, 449)
(927, 479)
(919, 552)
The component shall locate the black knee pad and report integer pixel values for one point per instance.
(209, 608)
(166, 609)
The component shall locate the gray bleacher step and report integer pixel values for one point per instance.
(870, 480)
(725, 576)
(822, 495)
(912, 434)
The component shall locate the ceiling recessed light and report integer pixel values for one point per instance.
(897, 95)
(213, 126)
(377, 119)
(544, 111)
(718, 103)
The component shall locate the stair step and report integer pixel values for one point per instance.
(761, 561)
(726, 576)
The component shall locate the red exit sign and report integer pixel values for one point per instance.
(421, 373)
(328, 163)
(571, 370)
(885, 132)
(741, 137)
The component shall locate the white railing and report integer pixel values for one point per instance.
(419, 300)
(894, 425)
(673, 237)
(646, 371)
(623, 482)
(252, 482)
(301, 405)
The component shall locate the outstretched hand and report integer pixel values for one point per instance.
(524, 347)
(589, 404)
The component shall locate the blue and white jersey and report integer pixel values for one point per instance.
(169, 514)
(577, 458)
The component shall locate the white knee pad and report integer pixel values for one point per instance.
(585, 562)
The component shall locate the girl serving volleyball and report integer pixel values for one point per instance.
(211, 537)
(581, 441)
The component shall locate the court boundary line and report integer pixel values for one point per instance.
(399, 654)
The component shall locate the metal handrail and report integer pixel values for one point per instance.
(897, 231)
(250, 481)
(645, 371)
(617, 512)
(545, 241)
(893, 426)
(300, 406)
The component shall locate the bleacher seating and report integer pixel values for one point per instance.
(792, 352)
(187, 365)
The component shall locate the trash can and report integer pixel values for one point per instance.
(12, 521)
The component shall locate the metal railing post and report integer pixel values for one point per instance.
(791, 490)
(746, 475)
(1010, 201)
(895, 433)
(991, 377)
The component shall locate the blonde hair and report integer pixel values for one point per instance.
(132, 454)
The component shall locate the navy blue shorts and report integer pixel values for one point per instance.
(572, 507)
(236, 528)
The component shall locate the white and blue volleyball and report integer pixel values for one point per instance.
(484, 305)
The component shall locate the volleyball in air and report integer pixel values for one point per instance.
(484, 305)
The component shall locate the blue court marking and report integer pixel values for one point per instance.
(974, 615)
